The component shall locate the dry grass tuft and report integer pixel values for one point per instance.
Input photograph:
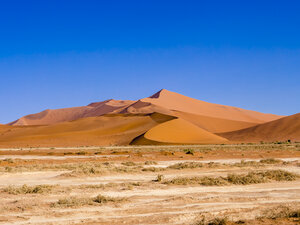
(129, 163)
(83, 201)
(237, 179)
(150, 163)
(186, 165)
(281, 212)
(28, 190)
(271, 161)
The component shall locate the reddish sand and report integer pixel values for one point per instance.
(103, 130)
(212, 124)
(164, 101)
(146, 121)
(67, 114)
(287, 128)
(180, 131)
(174, 101)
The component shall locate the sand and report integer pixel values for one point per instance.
(287, 128)
(181, 131)
(118, 129)
(163, 118)
(178, 102)
(49, 116)
(146, 200)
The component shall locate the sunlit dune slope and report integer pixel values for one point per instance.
(212, 124)
(178, 131)
(117, 129)
(174, 101)
(287, 128)
(165, 102)
(48, 116)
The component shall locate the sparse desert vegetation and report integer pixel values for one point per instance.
(217, 184)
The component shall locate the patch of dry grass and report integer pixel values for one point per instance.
(39, 189)
(271, 161)
(236, 179)
(84, 201)
(150, 163)
(186, 165)
(281, 212)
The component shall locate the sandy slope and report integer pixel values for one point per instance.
(278, 130)
(179, 131)
(174, 101)
(96, 124)
(118, 129)
(67, 114)
(164, 102)
(213, 124)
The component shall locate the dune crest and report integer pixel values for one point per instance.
(164, 118)
(178, 102)
(49, 116)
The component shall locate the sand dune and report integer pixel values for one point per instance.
(174, 101)
(164, 102)
(164, 118)
(212, 124)
(116, 129)
(287, 128)
(67, 114)
(178, 131)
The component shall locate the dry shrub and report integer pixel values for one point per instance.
(186, 165)
(215, 221)
(271, 161)
(153, 169)
(206, 181)
(150, 163)
(83, 201)
(73, 202)
(129, 164)
(281, 212)
(237, 179)
(28, 190)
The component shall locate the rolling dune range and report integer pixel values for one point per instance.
(163, 118)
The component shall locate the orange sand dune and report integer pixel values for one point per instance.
(287, 128)
(104, 130)
(173, 101)
(178, 131)
(67, 114)
(166, 118)
(164, 101)
(212, 124)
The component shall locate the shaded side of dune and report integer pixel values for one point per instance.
(109, 129)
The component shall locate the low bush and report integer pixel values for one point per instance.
(237, 179)
(27, 189)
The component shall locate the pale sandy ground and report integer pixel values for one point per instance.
(155, 204)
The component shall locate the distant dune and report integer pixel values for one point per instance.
(287, 128)
(49, 116)
(163, 118)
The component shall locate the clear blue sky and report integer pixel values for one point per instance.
(67, 53)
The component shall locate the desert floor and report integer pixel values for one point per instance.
(240, 184)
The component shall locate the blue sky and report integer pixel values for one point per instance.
(57, 54)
